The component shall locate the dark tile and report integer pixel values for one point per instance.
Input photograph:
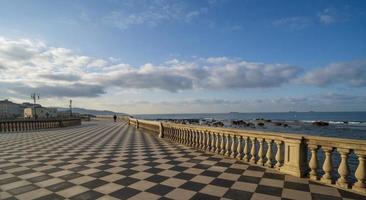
(274, 191)
(202, 166)
(128, 165)
(23, 189)
(60, 186)
(223, 164)
(316, 196)
(71, 176)
(274, 176)
(211, 173)
(201, 196)
(222, 182)
(192, 186)
(52, 170)
(235, 171)
(126, 181)
(237, 194)
(39, 178)
(94, 183)
(128, 172)
(100, 174)
(157, 178)
(297, 186)
(19, 173)
(350, 195)
(9, 180)
(184, 176)
(51, 197)
(91, 194)
(124, 193)
(152, 164)
(79, 168)
(249, 179)
(178, 168)
(256, 168)
(160, 189)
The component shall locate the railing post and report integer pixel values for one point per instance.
(313, 164)
(360, 173)
(343, 169)
(295, 162)
(161, 130)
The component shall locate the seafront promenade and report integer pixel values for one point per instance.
(105, 160)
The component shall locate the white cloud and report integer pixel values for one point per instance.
(328, 16)
(293, 23)
(351, 73)
(153, 13)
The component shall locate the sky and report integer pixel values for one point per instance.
(192, 56)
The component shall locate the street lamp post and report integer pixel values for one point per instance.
(35, 96)
(70, 108)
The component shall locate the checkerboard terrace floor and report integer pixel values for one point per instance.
(101, 160)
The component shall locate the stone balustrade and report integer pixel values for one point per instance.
(294, 154)
(30, 125)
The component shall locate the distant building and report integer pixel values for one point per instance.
(10, 110)
(41, 112)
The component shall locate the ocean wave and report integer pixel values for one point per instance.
(354, 123)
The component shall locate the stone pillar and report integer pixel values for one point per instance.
(233, 147)
(253, 151)
(295, 162)
(222, 147)
(213, 142)
(360, 173)
(343, 169)
(261, 152)
(246, 149)
(217, 145)
(327, 165)
(269, 154)
(313, 164)
(227, 147)
(161, 130)
(239, 149)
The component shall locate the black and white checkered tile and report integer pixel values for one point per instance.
(115, 161)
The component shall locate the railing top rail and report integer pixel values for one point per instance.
(309, 139)
(39, 120)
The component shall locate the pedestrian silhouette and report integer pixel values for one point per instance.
(115, 118)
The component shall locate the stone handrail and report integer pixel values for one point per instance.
(293, 154)
(30, 125)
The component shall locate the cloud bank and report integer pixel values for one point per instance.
(29, 65)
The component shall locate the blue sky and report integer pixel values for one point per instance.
(166, 56)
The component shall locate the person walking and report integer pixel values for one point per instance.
(115, 118)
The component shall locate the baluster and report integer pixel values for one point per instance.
(204, 138)
(246, 157)
(190, 138)
(360, 173)
(217, 150)
(233, 147)
(227, 146)
(327, 165)
(213, 142)
(269, 155)
(208, 141)
(239, 149)
(279, 157)
(222, 147)
(261, 152)
(343, 169)
(185, 142)
(253, 151)
(197, 142)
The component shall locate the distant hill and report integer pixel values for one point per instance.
(92, 112)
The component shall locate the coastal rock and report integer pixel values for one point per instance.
(320, 123)
(260, 124)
